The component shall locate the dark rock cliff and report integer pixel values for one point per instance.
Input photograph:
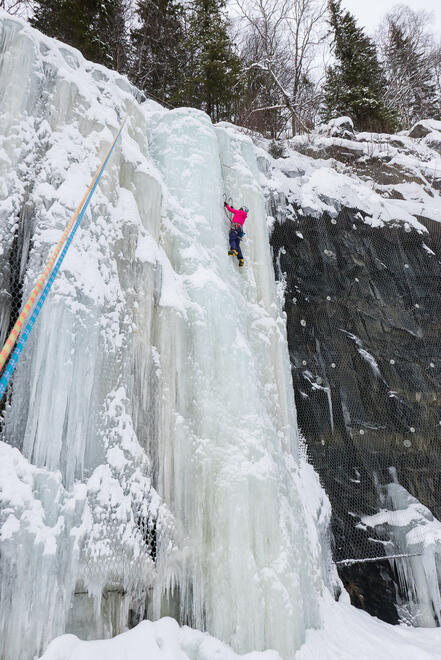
(363, 307)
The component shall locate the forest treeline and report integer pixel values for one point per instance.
(275, 66)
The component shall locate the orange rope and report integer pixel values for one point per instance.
(13, 336)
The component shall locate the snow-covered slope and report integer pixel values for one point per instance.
(391, 179)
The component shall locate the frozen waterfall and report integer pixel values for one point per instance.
(408, 526)
(150, 460)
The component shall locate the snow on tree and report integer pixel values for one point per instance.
(409, 63)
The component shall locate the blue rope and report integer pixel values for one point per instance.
(10, 367)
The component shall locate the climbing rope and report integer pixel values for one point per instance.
(66, 239)
(11, 340)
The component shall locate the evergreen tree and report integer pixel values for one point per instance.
(95, 27)
(113, 31)
(355, 84)
(410, 78)
(159, 53)
(213, 76)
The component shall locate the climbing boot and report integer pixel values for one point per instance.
(232, 253)
(240, 262)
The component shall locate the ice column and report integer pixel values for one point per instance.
(78, 512)
(251, 572)
(412, 532)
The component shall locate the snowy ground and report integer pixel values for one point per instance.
(158, 640)
(347, 634)
(351, 634)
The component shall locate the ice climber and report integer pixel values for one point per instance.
(236, 231)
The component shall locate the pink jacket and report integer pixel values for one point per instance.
(239, 216)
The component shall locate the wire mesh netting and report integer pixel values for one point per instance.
(363, 307)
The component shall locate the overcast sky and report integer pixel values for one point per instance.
(370, 12)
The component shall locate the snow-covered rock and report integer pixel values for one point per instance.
(424, 127)
(342, 127)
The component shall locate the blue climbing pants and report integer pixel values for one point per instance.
(235, 243)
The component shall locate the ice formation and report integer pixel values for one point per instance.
(410, 529)
(150, 463)
(150, 457)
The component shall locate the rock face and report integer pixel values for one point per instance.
(363, 307)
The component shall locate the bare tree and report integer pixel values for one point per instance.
(411, 63)
(306, 33)
(266, 71)
(414, 22)
(22, 8)
(436, 63)
(289, 32)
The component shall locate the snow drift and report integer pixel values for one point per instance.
(347, 633)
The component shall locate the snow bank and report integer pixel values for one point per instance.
(349, 633)
(346, 633)
(159, 640)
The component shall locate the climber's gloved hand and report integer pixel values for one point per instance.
(225, 203)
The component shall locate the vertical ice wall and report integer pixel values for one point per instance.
(152, 415)
(80, 514)
(227, 457)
